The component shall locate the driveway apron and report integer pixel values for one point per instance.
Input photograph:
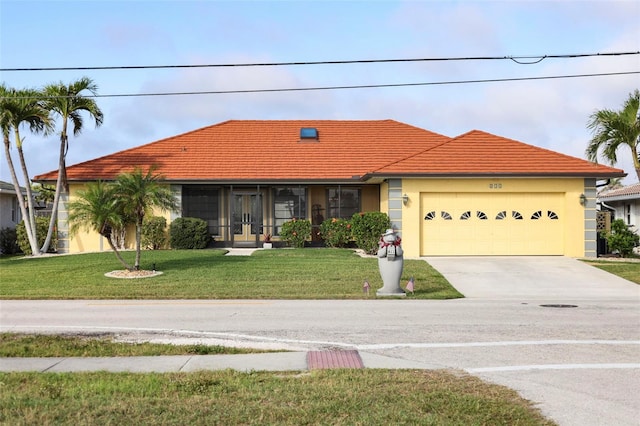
(552, 278)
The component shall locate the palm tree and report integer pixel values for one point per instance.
(17, 108)
(139, 193)
(613, 129)
(97, 209)
(68, 103)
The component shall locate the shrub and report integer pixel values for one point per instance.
(336, 232)
(154, 232)
(9, 241)
(621, 238)
(189, 233)
(42, 226)
(367, 228)
(295, 232)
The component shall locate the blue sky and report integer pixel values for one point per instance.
(550, 114)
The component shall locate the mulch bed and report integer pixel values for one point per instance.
(124, 273)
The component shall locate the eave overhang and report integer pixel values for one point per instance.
(382, 176)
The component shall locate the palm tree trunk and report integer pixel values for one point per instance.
(118, 255)
(33, 241)
(138, 243)
(30, 210)
(636, 160)
(56, 197)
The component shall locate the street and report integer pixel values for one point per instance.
(580, 364)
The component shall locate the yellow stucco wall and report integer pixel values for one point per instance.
(573, 227)
(84, 241)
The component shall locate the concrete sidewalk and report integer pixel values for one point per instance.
(272, 361)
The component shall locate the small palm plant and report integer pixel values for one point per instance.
(96, 209)
(138, 193)
(104, 207)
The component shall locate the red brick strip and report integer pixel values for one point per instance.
(317, 360)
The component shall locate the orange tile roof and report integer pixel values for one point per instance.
(480, 153)
(254, 150)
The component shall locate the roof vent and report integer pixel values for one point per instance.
(308, 134)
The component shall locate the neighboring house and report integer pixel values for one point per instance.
(10, 214)
(475, 194)
(623, 203)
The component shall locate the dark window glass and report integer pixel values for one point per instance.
(202, 202)
(288, 203)
(343, 202)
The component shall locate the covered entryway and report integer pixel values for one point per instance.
(246, 217)
(492, 224)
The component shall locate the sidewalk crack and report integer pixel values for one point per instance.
(53, 365)
(185, 364)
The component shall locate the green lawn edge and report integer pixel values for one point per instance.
(208, 274)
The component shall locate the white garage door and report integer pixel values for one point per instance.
(492, 224)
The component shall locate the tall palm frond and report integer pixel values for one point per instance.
(614, 129)
(19, 108)
(69, 103)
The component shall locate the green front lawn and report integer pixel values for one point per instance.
(208, 274)
(323, 397)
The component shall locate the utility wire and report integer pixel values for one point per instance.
(522, 60)
(361, 86)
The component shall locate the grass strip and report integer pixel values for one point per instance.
(208, 274)
(627, 270)
(44, 345)
(372, 397)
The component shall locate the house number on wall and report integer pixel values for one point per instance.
(495, 186)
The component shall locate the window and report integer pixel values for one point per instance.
(481, 215)
(552, 215)
(536, 215)
(430, 216)
(516, 215)
(343, 202)
(288, 203)
(202, 202)
(627, 213)
(466, 215)
(445, 215)
(501, 215)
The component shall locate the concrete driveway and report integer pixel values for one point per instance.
(552, 278)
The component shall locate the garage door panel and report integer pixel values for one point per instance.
(492, 224)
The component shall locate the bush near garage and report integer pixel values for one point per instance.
(621, 238)
(154, 232)
(336, 232)
(189, 233)
(366, 229)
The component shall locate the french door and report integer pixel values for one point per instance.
(246, 213)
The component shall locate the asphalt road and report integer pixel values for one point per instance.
(580, 364)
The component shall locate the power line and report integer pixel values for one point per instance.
(522, 60)
(361, 86)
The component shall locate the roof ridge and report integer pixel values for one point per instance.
(413, 155)
(525, 144)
